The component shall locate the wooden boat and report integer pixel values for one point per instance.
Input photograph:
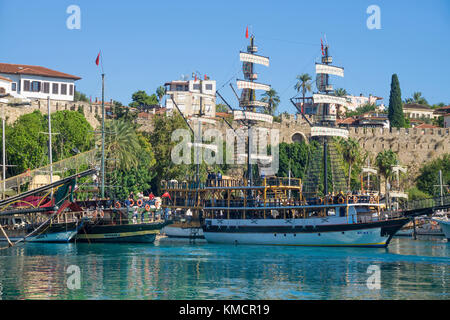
(278, 211)
(28, 217)
(105, 223)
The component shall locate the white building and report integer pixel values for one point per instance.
(187, 94)
(5, 85)
(418, 111)
(35, 82)
(354, 102)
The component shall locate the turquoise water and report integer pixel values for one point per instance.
(408, 270)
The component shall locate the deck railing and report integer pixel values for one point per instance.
(432, 203)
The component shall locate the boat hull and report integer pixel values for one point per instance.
(129, 233)
(173, 232)
(445, 226)
(376, 234)
(59, 233)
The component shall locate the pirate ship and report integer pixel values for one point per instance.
(319, 211)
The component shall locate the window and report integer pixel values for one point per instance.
(13, 86)
(196, 86)
(63, 88)
(71, 90)
(35, 86)
(26, 85)
(55, 88)
(208, 87)
(46, 87)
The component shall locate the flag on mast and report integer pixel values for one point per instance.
(321, 45)
(97, 61)
(246, 33)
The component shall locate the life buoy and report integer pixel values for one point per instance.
(341, 200)
(131, 202)
(355, 199)
(139, 202)
(321, 200)
(147, 207)
(117, 205)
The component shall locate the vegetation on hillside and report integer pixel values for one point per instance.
(27, 143)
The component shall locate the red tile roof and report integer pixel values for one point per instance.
(442, 110)
(349, 120)
(34, 70)
(426, 126)
(5, 79)
(416, 106)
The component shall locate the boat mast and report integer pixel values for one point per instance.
(325, 113)
(249, 116)
(50, 155)
(103, 139)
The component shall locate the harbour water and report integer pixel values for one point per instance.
(408, 270)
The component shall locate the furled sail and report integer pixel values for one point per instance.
(254, 58)
(242, 84)
(327, 69)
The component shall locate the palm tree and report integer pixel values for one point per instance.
(341, 92)
(417, 98)
(351, 154)
(123, 145)
(272, 99)
(160, 92)
(303, 84)
(385, 160)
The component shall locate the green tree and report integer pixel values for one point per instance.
(361, 110)
(340, 92)
(74, 133)
(415, 194)
(385, 160)
(160, 93)
(352, 154)
(293, 156)
(303, 84)
(395, 111)
(138, 177)
(142, 100)
(417, 98)
(428, 177)
(79, 96)
(220, 107)
(26, 146)
(122, 144)
(161, 140)
(272, 99)
(122, 112)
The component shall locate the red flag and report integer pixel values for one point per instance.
(166, 195)
(321, 45)
(195, 78)
(206, 78)
(98, 59)
(246, 32)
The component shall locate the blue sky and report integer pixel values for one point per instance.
(146, 43)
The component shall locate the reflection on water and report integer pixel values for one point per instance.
(409, 270)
